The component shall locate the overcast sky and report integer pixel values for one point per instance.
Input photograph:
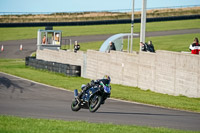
(84, 5)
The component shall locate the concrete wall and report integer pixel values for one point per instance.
(166, 72)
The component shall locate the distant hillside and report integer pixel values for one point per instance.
(94, 16)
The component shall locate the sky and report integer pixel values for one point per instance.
(85, 5)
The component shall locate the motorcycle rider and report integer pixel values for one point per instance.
(105, 83)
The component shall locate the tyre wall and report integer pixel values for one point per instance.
(67, 69)
(62, 56)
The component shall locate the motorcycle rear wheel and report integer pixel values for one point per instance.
(75, 106)
(94, 103)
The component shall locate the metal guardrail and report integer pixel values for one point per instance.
(67, 69)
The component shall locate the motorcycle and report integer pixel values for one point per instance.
(91, 99)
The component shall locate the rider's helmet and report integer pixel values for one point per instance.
(106, 77)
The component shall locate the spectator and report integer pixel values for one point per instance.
(143, 46)
(56, 39)
(195, 47)
(112, 46)
(44, 39)
(147, 47)
(150, 47)
(76, 46)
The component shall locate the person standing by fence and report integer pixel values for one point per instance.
(76, 46)
(112, 46)
(147, 47)
(195, 47)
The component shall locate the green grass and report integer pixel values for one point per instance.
(17, 67)
(10, 124)
(176, 43)
(19, 33)
(90, 45)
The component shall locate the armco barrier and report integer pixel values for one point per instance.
(70, 70)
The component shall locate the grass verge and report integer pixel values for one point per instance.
(10, 124)
(19, 33)
(18, 68)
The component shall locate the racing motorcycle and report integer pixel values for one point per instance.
(91, 99)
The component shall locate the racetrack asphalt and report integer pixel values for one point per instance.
(24, 98)
(12, 48)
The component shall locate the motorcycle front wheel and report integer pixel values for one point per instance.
(75, 106)
(94, 102)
